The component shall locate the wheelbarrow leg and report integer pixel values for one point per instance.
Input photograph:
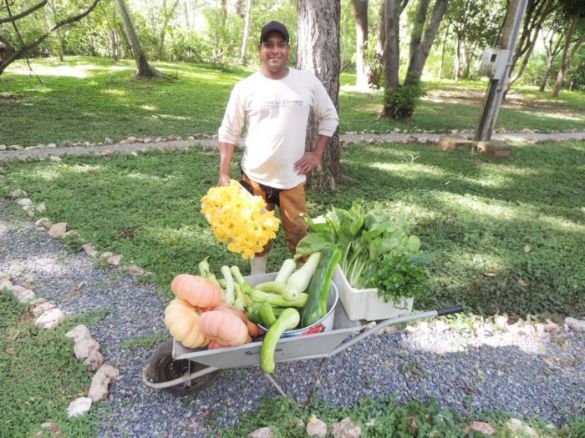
(311, 391)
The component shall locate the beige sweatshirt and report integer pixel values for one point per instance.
(275, 115)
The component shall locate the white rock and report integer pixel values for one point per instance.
(94, 360)
(54, 158)
(41, 207)
(100, 383)
(105, 255)
(84, 346)
(58, 230)
(41, 306)
(108, 140)
(51, 145)
(90, 250)
(135, 271)
(346, 429)
(78, 332)
(50, 319)
(44, 222)
(501, 322)
(22, 294)
(18, 193)
(25, 203)
(115, 259)
(519, 428)
(316, 427)
(5, 284)
(481, 427)
(2, 147)
(79, 406)
(576, 324)
(263, 432)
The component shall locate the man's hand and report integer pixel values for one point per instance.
(224, 180)
(307, 163)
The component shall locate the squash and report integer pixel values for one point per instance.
(224, 326)
(182, 320)
(197, 290)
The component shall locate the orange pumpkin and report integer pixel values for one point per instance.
(197, 290)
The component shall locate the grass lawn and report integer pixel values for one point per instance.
(89, 99)
(508, 235)
(40, 374)
(383, 418)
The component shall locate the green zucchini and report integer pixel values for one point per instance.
(318, 291)
(288, 319)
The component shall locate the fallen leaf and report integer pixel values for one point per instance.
(490, 274)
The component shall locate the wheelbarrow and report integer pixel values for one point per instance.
(181, 370)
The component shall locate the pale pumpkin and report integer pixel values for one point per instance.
(197, 290)
(182, 320)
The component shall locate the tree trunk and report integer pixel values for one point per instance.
(247, 21)
(361, 31)
(391, 58)
(168, 14)
(457, 66)
(143, 68)
(443, 52)
(319, 52)
(564, 58)
(420, 45)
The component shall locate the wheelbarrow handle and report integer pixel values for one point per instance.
(449, 310)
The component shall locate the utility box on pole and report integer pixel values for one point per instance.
(496, 64)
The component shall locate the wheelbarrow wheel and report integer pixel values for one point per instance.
(162, 368)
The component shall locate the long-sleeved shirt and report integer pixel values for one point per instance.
(275, 114)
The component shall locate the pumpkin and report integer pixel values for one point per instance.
(182, 320)
(253, 329)
(224, 327)
(198, 291)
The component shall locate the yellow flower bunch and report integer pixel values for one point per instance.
(240, 219)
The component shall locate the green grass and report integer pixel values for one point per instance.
(381, 418)
(508, 235)
(40, 375)
(89, 99)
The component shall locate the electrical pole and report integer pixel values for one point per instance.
(497, 85)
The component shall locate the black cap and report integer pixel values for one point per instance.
(274, 26)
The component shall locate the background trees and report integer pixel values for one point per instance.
(394, 43)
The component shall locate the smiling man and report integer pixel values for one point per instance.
(272, 106)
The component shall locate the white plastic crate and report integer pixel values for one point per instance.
(365, 303)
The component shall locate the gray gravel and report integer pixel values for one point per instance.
(481, 369)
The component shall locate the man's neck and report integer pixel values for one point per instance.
(274, 75)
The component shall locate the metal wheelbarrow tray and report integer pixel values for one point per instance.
(182, 370)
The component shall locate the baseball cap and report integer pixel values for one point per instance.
(274, 26)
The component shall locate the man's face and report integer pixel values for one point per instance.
(274, 51)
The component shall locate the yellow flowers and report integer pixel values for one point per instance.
(240, 219)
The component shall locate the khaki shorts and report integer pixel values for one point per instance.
(292, 205)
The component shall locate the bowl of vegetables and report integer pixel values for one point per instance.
(298, 301)
(324, 324)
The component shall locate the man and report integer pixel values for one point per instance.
(273, 106)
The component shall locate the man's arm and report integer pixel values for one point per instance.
(312, 159)
(226, 152)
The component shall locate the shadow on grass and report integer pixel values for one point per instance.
(508, 234)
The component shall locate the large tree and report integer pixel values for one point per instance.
(143, 68)
(399, 99)
(318, 52)
(14, 45)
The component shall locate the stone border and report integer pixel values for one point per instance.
(47, 315)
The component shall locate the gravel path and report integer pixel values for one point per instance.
(526, 371)
(134, 147)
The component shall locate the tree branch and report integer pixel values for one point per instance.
(13, 18)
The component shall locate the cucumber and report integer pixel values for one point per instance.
(318, 291)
